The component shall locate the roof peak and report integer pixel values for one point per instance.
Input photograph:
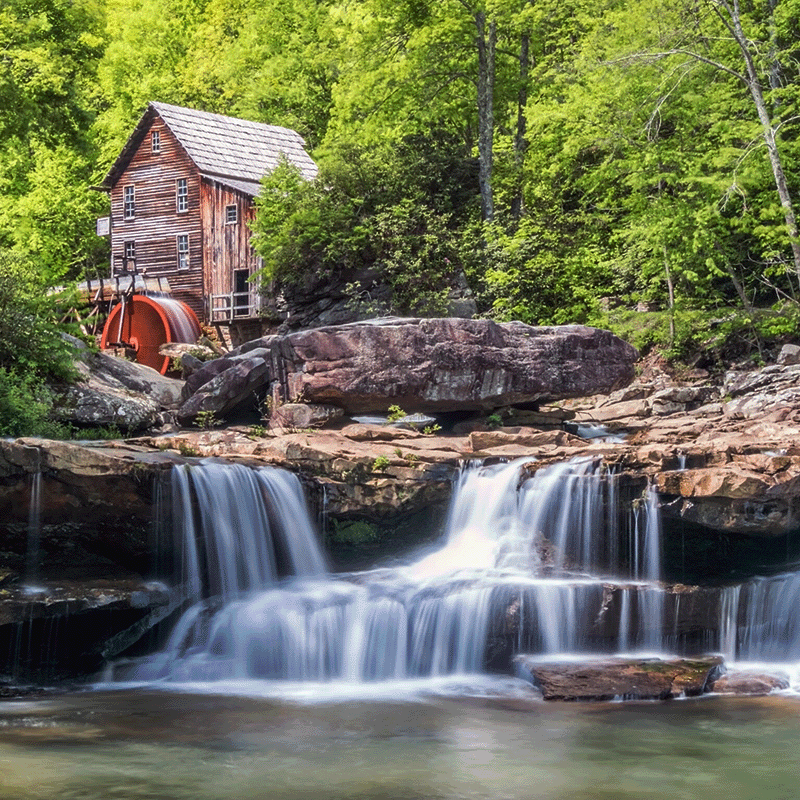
(220, 145)
(162, 108)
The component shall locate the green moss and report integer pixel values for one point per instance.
(354, 533)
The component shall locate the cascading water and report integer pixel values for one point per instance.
(529, 564)
(235, 541)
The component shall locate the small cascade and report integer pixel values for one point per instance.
(542, 564)
(33, 553)
(234, 531)
(760, 619)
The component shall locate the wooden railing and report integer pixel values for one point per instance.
(235, 305)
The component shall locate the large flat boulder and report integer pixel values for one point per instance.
(446, 364)
(621, 678)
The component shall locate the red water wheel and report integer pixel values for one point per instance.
(143, 323)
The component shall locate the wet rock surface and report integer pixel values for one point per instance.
(726, 481)
(618, 678)
(60, 630)
(740, 682)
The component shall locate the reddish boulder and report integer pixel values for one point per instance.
(749, 683)
(446, 364)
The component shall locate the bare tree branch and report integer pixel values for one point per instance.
(651, 57)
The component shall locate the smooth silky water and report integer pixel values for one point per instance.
(284, 681)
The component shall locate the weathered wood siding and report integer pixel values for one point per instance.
(157, 222)
(226, 245)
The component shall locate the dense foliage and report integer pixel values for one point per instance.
(397, 212)
(32, 349)
(567, 157)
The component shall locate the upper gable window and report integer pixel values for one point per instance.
(129, 202)
(182, 195)
(155, 141)
(231, 214)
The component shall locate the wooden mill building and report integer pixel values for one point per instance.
(182, 194)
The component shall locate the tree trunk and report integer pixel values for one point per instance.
(768, 131)
(486, 40)
(520, 142)
(671, 298)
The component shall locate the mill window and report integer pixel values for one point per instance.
(182, 195)
(155, 141)
(183, 251)
(231, 214)
(129, 202)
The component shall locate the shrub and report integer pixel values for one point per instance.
(32, 350)
(25, 403)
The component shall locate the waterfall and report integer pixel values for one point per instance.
(760, 619)
(33, 553)
(528, 563)
(247, 521)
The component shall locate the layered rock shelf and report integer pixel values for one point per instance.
(420, 364)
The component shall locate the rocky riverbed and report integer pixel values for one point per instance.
(723, 454)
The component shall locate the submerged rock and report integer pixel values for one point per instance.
(744, 682)
(620, 678)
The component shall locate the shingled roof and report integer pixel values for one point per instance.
(235, 152)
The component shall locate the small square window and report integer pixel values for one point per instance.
(129, 202)
(183, 251)
(231, 214)
(182, 195)
(155, 141)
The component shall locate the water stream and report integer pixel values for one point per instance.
(282, 681)
(537, 564)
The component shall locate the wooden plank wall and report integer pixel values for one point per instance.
(226, 246)
(157, 222)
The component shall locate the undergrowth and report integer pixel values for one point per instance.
(712, 339)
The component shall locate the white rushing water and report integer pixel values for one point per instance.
(537, 564)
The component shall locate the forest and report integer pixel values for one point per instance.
(578, 162)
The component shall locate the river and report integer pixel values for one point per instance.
(373, 686)
(137, 744)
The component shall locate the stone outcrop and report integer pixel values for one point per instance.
(237, 381)
(447, 364)
(617, 678)
(113, 391)
(95, 619)
(758, 393)
(722, 457)
(753, 683)
(291, 416)
(424, 365)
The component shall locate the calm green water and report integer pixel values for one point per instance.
(132, 745)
